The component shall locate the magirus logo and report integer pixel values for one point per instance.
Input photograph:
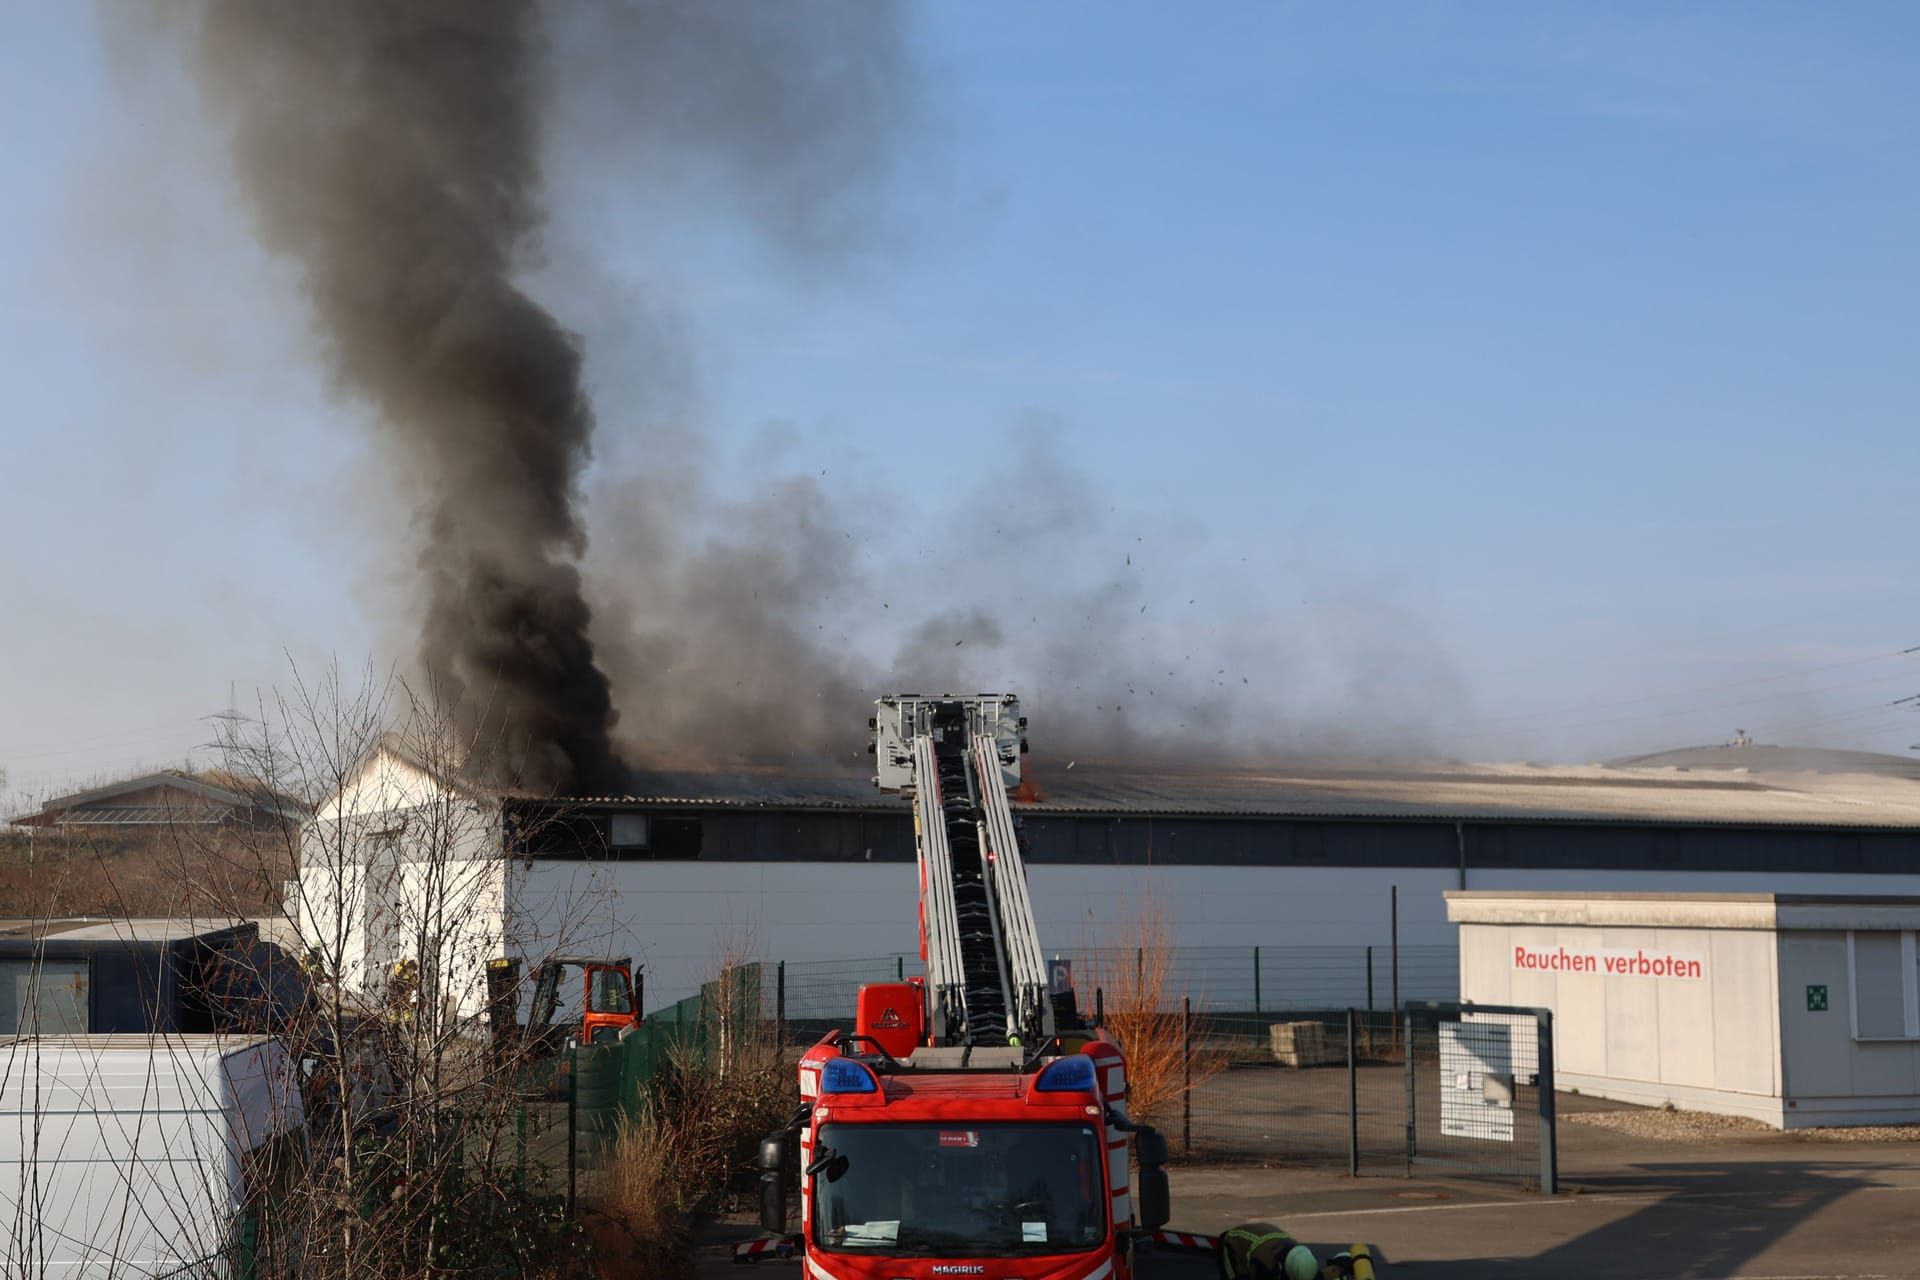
(959, 1269)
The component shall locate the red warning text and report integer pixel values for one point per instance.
(1621, 964)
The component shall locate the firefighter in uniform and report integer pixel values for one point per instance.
(1262, 1251)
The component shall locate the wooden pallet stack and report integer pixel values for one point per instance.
(1304, 1044)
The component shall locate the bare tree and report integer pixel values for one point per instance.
(400, 901)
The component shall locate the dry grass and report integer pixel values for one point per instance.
(154, 871)
(1134, 973)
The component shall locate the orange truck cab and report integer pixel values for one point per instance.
(591, 998)
(955, 1161)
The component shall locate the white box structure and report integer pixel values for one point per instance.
(1801, 1011)
(125, 1155)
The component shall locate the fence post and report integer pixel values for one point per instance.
(1406, 1051)
(780, 1005)
(899, 968)
(1256, 981)
(520, 1146)
(1549, 1146)
(1353, 1099)
(1186, 1067)
(573, 1123)
(1369, 979)
(1395, 957)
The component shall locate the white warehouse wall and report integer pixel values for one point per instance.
(677, 918)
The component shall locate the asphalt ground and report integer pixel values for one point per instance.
(1752, 1206)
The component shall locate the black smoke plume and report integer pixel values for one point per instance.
(398, 151)
(392, 150)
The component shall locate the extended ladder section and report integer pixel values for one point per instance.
(986, 978)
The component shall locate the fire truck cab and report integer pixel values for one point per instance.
(968, 1126)
(960, 1161)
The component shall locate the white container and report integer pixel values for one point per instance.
(124, 1155)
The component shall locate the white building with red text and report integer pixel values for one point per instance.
(1798, 1010)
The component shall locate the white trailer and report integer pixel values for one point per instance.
(132, 1155)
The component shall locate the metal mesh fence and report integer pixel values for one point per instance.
(1280, 1070)
(1256, 981)
(1273, 1091)
(824, 990)
(1270, 979)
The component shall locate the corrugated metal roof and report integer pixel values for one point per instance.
(143, 815)
(1582, 793)
(115, 929)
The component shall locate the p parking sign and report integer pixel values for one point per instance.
(1816, 999)
(1060, 976)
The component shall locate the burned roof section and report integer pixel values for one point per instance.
(1542, 793)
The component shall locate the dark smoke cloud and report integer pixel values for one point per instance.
(732, 612)
(393, 150)
(753, 632)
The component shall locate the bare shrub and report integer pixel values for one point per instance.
(1166, 1055)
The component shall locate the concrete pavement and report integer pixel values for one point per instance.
(1754, 1206)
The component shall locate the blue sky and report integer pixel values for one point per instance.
(1561, 360)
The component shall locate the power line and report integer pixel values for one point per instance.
(1875, 711)
(145, 741)
(1687, 693)
(1678, 711)
(98, 737)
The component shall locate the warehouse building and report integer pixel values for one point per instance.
(1290, 861)
(171, 798)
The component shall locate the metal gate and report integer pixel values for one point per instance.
(1479, 1088)
(1440, 1085)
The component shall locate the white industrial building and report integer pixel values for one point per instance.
(1296, 862)
(1797, 1010)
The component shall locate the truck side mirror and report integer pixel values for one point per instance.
(1155, 1200)
(773, 1187)
(1150, 1147)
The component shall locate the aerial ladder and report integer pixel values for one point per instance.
(959, 757)
(969, 1126)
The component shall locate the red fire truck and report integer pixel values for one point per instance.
(969, 1125)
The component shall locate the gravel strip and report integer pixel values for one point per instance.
(1691, 1126)
(1667, 1126)
(1863, 1133)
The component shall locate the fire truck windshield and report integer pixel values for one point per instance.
(966, 1189)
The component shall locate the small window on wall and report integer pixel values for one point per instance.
(1886, 986)
(627, 831)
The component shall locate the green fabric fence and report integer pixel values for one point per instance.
(612, 1080)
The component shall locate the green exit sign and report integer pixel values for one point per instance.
(1816, 999)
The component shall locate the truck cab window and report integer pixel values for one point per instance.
(43, 997)
(608, 992)
(932, 1189)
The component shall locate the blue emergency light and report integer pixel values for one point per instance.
(1072, 1074)
(844, 1075)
